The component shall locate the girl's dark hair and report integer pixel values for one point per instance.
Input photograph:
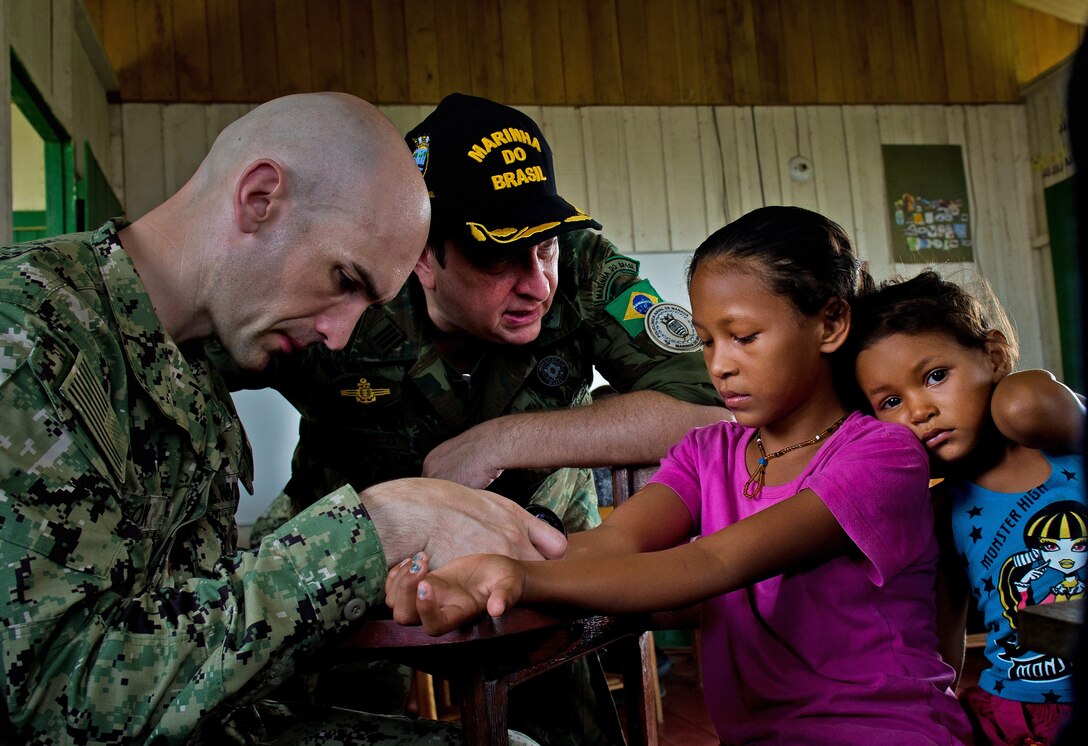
(927, 303)
(800, 254)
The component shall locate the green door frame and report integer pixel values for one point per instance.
(1061, 218)
(60, 172)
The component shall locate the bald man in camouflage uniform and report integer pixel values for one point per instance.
(479, 370)
(129, 615)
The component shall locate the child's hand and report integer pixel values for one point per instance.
(400, 587)
(458, 592)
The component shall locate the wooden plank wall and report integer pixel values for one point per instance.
(1051, 162)
(577, 52)
(1048, 139)
(1073, 11)
(663, 178)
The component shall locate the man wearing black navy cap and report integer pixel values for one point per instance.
(479, 370)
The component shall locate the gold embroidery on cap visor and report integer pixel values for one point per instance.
(508, 235)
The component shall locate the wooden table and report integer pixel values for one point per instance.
(487, 658)
(1053, 628)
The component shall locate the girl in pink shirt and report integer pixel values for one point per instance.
(815, 556)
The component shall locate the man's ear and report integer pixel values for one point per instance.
(836, 324)
(262, 185)
(998, 350)
(424, 268)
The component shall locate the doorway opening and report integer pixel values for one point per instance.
(43, 171)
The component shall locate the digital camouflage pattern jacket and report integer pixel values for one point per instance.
(128, 614)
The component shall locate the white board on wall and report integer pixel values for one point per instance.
(667, 272)
(272, 426)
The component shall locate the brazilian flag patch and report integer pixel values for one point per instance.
(631, 307)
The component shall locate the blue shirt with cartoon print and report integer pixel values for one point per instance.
(1023, 549)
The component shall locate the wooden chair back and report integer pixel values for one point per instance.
(627, 480)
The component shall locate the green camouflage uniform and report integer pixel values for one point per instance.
(375, 409)
(129, 615)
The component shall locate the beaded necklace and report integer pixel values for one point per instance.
(755, 482)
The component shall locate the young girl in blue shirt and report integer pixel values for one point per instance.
(933, 357)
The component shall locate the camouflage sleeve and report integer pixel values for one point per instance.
(304, 584)
(623, 351)
(103, 640)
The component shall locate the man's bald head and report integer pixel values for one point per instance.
(305, 211)
(326, 142)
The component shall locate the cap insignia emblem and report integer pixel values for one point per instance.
(422, 152)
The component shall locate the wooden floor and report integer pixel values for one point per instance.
(686, 721)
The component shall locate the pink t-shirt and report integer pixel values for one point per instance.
(843, 653)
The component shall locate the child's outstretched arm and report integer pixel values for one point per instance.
(1032, 408)
(798, 532)
(654, 518)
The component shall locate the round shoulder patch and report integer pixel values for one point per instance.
(553, 371)
(670, 328)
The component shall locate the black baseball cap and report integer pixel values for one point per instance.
(489, 172)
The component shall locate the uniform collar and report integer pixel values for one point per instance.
(155, 361)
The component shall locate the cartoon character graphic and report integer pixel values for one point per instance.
(1050, 570)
